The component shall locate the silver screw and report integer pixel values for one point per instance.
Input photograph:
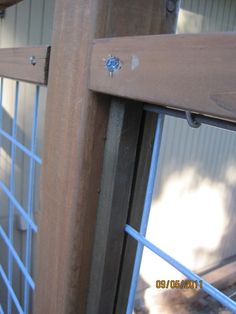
(171, 6)
(33, 60)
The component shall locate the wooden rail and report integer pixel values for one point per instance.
(28, 64)
(7, 3)
(188, 72)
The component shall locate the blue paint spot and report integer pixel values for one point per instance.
(112, 64)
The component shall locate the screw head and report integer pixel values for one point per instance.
(171, 6)
(33, 60)
(112, 64)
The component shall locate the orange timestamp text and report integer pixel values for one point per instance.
(178, 284)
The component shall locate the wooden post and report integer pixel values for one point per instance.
(75, 128)
(118, 171)
(75, 125)
(110, 276)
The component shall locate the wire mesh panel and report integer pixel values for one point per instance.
(12, 259)
(143, 242)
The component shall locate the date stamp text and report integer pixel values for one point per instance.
(179, 284)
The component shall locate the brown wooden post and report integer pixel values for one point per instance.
(75, 127)
(109, 285)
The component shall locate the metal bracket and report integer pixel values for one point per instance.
(191, 120)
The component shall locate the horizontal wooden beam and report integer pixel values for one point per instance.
(188, 72)
(7, 3)
(28, 64)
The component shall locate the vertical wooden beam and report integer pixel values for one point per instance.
(136, 209)
(116, 186)
(75, 125)
(126, 18)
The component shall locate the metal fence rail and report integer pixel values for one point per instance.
(26, 214)
(143, 242)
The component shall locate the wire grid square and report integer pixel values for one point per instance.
(25, 213)
(142, 241)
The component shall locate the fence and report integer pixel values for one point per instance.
(181, 75)
(75, 133)
(12, 143)
(139, 236)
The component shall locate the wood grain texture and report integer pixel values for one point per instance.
(136, 210)
(7, 3)
(126, 17)
(118, 170)
(75, 125)
(188, 72)
(15, 63)
(162, 22)
(75, 130)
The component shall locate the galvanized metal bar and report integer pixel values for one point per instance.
(146, 211)
(10, 289)
(1, 310)
(27, 215)
(208, 288)
(18, 206)
(17, 258)
(30, 200)
(223, 124)
(12, 190)
(21, 147)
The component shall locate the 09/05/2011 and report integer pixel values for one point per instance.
(178, 284)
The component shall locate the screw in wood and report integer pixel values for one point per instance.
(33, 60)
(112, 64)
(171, 6)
